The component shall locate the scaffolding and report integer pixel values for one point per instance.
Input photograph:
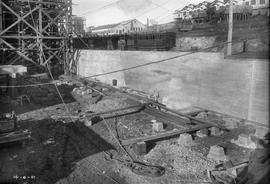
(37, 32)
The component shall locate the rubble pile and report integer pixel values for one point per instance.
(190, 164)
(187, 163)
(107, 104)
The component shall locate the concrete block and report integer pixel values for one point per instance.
(202, 115)
(202, 133)
(157, 127)
(215, 131)
(88, 123)
(140, 148)
(185, 139)
(233, 173)
(244, 141)
(261, 132)
(104, 89)
(217, 153)
(230, 123)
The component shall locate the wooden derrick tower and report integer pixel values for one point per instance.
(36, 32)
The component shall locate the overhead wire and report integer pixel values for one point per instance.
(154, 62)
(100, 8)
(114, 2)
(142, 65)
(147, 11)
(162, 17)
(28, 85)
(60, 96)
(47, 66)
(161, 6)
(68, 111)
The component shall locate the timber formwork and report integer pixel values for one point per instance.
(36, 32)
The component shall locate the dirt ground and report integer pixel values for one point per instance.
(67, 152)
(53, 150)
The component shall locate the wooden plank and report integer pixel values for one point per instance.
(136, 107)
(235, 117)
(14, 136)
(163, 135)
(172, 119)
(190, 117)
(12, 69)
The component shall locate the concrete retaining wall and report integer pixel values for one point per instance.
(237, 87)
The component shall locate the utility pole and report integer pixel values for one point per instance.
(230, 31)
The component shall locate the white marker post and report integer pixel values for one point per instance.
(230, 31)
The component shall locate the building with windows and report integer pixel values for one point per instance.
(185, 13)
(257, 7)
(129, 26)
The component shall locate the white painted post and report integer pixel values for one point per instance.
(230, 31)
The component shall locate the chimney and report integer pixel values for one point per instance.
(147, 25)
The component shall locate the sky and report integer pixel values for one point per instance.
(101, 12)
